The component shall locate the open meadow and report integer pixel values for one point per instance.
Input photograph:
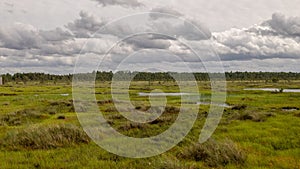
(259, 129)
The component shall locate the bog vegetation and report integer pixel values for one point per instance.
(259, 129)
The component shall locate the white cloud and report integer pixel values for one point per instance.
(272, 39)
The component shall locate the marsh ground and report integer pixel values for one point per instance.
(39, 128)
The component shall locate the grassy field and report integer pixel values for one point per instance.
(39, 128)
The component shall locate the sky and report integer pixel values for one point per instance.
(63, 36)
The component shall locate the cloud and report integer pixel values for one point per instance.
(160, 12)
(10, 5)
(19, 36)
(85, 26)
(172, 23)
(124, 3)
(148, 41)
(275, 38)
(56, 35)
(288, 26)
(187, 29)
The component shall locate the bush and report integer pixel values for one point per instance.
(46, 137)
(215, 153)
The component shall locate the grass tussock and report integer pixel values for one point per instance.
(215, 154)
(254, 116)
(297, 114)
(239, 107)
(103, 102)
(21, 117)
(132, 125)
(55, 107)
(45, 137)
(172, 110)
(174, 164)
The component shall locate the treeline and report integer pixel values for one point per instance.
(146, 76)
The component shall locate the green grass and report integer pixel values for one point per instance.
(39, 129)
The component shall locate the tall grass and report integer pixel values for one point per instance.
(215, 154)
(45, 137)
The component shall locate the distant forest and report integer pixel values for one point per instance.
(146, 76)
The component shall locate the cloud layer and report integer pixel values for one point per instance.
(273, 42)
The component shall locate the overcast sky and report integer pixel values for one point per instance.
(246, 35)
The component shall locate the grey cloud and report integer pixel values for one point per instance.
(5, 52)
(266, 65)
(37, 61)
(146, 56)
(161, 12)
(119, 30)
(56, 35)
(20, 36)
(10, 11)
(189, 30)
(85, 26)
(65, 49)
(170, 28)
(20, 39)
(124, 3)
(173, 25)
(11, 5)
(148, 41)
(288, 26)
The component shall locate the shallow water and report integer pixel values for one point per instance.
(215, 104)
(181, 94)
(275, 90)
(163, 94)
(64, 94)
